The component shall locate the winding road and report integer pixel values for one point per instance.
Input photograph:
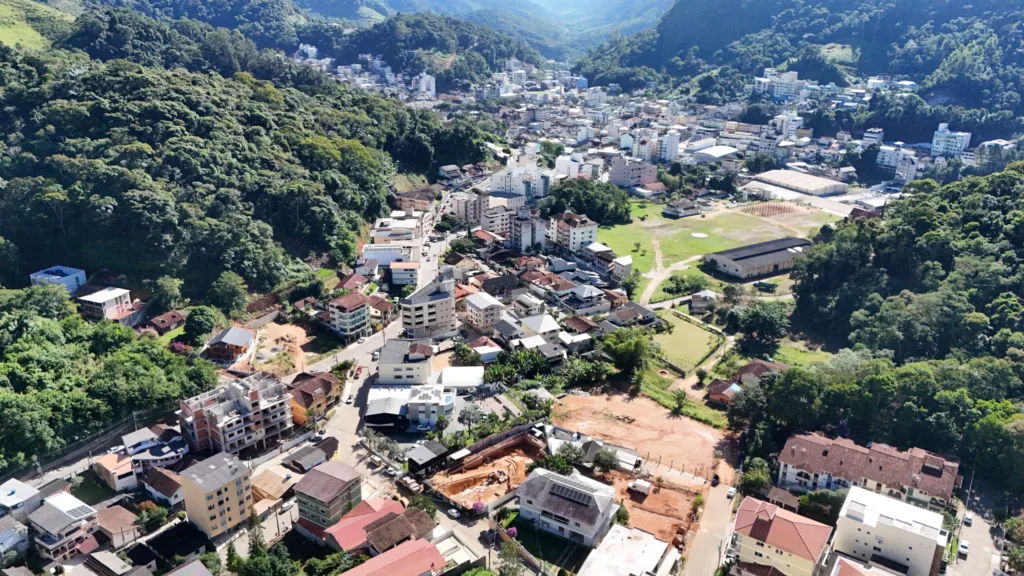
(659, 273)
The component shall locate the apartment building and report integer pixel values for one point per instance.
(572, 231)
(573, 507)
(217, 494)
(430, 311)
(814, 462)
(70, 278)
(873, 136)
(405, 273)
(60, 525)
(529, 231)
(405, 362)
(948, 143)
(107, 304)
(238, 414)
(385, 254)
(632, 173)
(327, 492)
(468, 207)
(349, 315)
(483, 311)
(767, 535)
(879, 530)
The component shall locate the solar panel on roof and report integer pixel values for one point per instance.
(571, 493)
(79, 512)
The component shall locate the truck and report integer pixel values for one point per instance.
(640, 487)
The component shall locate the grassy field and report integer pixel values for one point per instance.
(92, 490)
(25, 23)
(166, 339)
(797, 354)
(550, 548)
(408, 182)
(688, 343)
(656, 387)
(713, 284)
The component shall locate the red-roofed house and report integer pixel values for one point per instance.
(771, 536)
(350, 532)
(353, 282)
(412, 558)
(752, 372)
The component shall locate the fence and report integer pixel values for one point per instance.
(263, 320)
(82, 448)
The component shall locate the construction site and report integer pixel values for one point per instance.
(490, 469)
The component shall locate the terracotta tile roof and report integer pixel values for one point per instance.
(392, 529)
(163, 481)
(842, 458)
(350, 301)
(353, 281)
(463, 291)
(581, 324)
(760, 368)
(115, 519)
(532, 275)
(117, 463)
(306, 388)
(725, 388)
(381, 303)
(350, 532)
(483, 341)
(782, 529)
(409, 559)
(167, 319)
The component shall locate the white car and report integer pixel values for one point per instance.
(453, 513)
(351, 398)
(964, 548)
(968, 519)
(287, 506)
(393, 472)
(113, 449)
(731, 494)
(375, 356)
(362, 339)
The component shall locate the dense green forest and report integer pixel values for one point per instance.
(150, 172)
(62, 378)
(964, 56)
(932, 300)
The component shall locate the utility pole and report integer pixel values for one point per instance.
(136, 419)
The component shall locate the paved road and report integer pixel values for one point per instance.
(984, 556)
(704, 554)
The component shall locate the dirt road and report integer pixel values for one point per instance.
(660, 273)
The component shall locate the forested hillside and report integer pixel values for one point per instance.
(932, 297)
(152, 172)
(961, 54)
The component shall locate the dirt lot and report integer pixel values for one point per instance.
(664, 512)
(487, 482)
(280, 351)
(684, 444)
(441, 361)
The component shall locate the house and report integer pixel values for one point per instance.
(368, 267)
(116, 470)
(349, 315)
(380, 309)
(426, 458)
(327, 493)
(901, 537)
(230, 344)
(629, 551)
(631, 313)
(118, 525)
(13, 536)
(18, 500)
(305, 459)
(184, 540)
(164, 486)
(236, 415)
(405, 361)
(412, 558)
(70, 278)
(487, 349)
(761, 259)
(575, 343)
(167, 322)
(349, 533)
(354, 282)
(460, 379)
(752, 372)
(459, 554)
(508, 329)
(584, 300)
(527, 305)
(621, 268)
(703, 301)
(681, 209)
(581, 325)
(784, 498)
(109, 304)
(217, 493)
(770, 536)
(450, 171)
(501, 286)
(543, 325)
(142, 556)
(430, 311)
(814, 462)
(573, 507)
(483, 311)
(106, 563)
(320, 392)
(192, 568)
(571, 231)
(60, 525)
(405, 273)
(392, 530)
(723, 391)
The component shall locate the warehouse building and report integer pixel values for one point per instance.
(762, 259)
(802, 183)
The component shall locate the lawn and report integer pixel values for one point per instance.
(797, 354)
(408, 182)
(166, 339)
(656, 387)
(92, 490)
(549, 547)
(713, 284)
(688, 344)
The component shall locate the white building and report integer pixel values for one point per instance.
(572, 231)
(18, 500)
(543, 325)
(629, 551)
(66, 276)
(947, 143)
(527, 305)
(788, 124)
(425, 84)
(60, 524)
(430, 311)
(873, 136)
(427, 403)
(632, 173)
(13, 536)
(529, 230)
(405, 273)
(669, 146)
(877, 529)
(574, 507)
(518, 77)
(483, 311)
(385, 254)
(405, 362)
(108, 304)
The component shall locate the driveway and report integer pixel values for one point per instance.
(705, 552)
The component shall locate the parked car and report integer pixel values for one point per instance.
(423, 428)
(964, 548)
(351, 398)
(732, 493)
(362, 339)
(715, 480)
(375, 356)
(393, 472)
(318, 437)
(113, 449)
(968, 519)
(376, 461)
(453, 513)
(287, 506)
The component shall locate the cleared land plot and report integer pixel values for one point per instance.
(688, 343)
(654, 432)
(664, 512)
(500, 472)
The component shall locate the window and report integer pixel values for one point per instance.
(876, 548)
(209, 496)
(758, 554)
(760, 544)
(214, 517)
(528, 501)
